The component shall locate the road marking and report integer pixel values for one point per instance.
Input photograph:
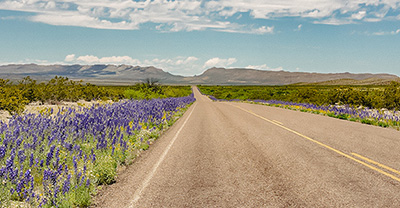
(376, 163)
(321, 144)
(138, 192)
(277, 122)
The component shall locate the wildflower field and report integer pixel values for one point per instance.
(373, 105)
(59, 159)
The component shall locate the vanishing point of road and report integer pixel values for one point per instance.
(228, 154)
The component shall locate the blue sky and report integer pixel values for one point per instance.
(186, 37)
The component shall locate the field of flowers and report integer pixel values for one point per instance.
(58, 159)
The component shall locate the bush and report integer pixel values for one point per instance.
(134, 94)
(12, 100)
(152, 90)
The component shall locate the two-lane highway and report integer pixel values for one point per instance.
(222, 154)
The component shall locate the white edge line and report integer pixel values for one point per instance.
(146, 182)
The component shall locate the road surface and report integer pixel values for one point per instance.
(222, 154)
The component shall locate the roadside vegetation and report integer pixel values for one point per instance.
(374, 105)
(60, 159)
(14, 96)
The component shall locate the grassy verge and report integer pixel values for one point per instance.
(356, 115)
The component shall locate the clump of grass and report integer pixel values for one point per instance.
(105, 170)
(5, 195)
(367, 121)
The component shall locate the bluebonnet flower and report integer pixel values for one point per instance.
(82, 181)
(75, 164)
(88, 182)
(2, 151)
(21, 156)
(10, 162)
(56, 190)
(50, 155)
(3, 172)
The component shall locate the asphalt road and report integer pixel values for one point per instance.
(222, 154)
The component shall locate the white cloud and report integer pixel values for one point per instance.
(177, 65)
(193, 15)
(317, 9)
(372, 19)
(264, 67)
(186, 61)
(90, 59)
(334, 21)
(380, 33)
(263, 30)
(69, 58)
(218, 62)
(359, 15)
(72, 19)
(275, 8)
(159, 27)
(108, 14)
(299, 27)
(235, 28)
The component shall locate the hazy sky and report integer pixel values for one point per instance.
(187, 36)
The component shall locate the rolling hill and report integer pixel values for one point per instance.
(126, 74)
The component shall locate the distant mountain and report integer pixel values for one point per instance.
(126, 74)
(96, 74)
(370, 81)
(259, 77)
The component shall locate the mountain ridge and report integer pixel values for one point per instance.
(128, 74)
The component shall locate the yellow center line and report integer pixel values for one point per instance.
(322, 144)
(277, 122)
(376, 163)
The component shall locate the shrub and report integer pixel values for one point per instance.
(12, 100)
(134, 94)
